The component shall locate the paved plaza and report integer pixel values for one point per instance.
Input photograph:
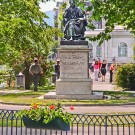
(103, 86)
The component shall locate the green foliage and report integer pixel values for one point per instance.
(126, 76)
(3, 73)
(24, 34)
(46, 113)
(118, 93)
(134, 51)
(61, 11)
(48, 69)
(6, 76)
(118, 12)
(47, 87)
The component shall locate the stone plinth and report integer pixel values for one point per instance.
(74, 62)
(74, 81)
(73, 86)
(53, 95)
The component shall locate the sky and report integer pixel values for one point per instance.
(48, 6)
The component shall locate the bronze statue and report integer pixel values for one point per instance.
(74, 22)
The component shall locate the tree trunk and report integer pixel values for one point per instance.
(27, 76)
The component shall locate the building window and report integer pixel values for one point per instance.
(91, 51)
(99, 51)
(122, 50)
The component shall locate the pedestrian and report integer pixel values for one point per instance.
(92, 66)
(93, 62)
(112, 68)
(99, 66)
(35, 70)
(96, 70)
(57, 69)
(99, 63)
(103, 70)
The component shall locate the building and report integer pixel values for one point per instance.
(119, 47)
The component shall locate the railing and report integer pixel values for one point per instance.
(82, 124)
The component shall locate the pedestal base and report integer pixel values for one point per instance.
(52, 95)
(73, 86)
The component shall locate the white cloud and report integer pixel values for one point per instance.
(48, 6)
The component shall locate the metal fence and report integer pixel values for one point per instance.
(82, 124)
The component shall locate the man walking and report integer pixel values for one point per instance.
(112, 68)
(35, 71)
(57, 69)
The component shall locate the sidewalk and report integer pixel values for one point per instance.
(97, 109)
(103, 86)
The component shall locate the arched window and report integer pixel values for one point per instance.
(99, 51)
(91, 51)
(122, 50)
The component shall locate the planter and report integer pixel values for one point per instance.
(56, 124)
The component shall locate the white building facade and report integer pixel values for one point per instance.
(119, 47)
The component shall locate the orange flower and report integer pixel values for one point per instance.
(52, 106)
(71, 108)
(35, 106)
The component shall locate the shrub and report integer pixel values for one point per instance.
(126, 76)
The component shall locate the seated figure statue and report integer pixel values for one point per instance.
(74, 23)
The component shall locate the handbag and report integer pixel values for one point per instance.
(99, 75)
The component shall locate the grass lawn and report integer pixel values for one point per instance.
(30, 97)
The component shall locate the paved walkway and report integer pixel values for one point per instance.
(103, 86)
(97, 85)
(83, 109)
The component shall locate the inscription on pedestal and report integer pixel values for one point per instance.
(73, 65)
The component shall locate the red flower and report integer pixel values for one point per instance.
(71, 108)
(52, 106)
(35, 106)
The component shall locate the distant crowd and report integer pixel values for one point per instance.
(99, 68)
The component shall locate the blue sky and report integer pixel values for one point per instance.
(48, 7)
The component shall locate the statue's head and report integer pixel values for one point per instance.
(72, 2)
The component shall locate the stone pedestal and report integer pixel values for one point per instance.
(74, 82)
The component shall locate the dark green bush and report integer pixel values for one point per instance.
(126, 76)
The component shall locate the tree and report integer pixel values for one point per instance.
(24, 34)
(114, 12)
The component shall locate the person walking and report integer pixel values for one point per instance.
(99, 66)
(35, 70)
(92, 66)
(57, 69)
(96, 70)
(112, 68)
(103, 70)
(99, 63)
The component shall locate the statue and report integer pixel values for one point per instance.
(74, 22)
